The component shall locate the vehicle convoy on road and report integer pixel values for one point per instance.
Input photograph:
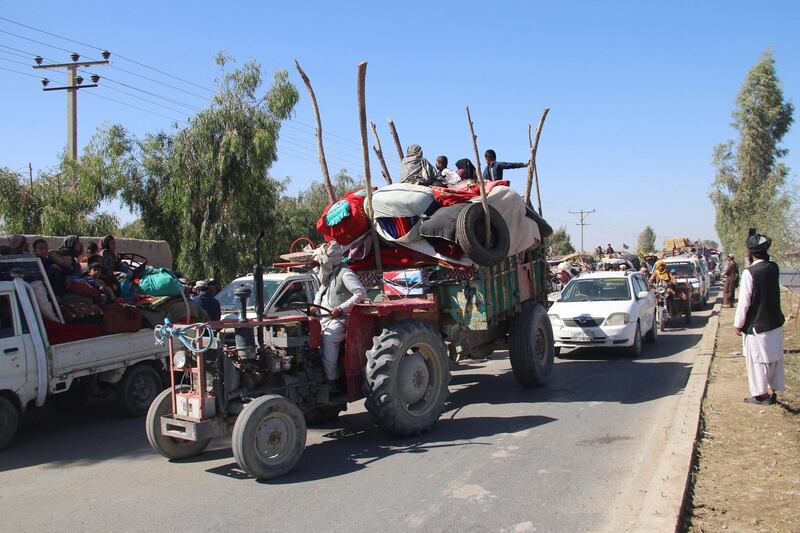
(33, 369)
(605, 309)
(261, 379)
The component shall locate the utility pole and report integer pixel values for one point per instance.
(74, 82)
(30, 174)
(583, 214)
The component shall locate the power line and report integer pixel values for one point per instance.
(134, 106)
(20, 73)
(31, 54)
(156, 95)
(37, 42)
(14, 61)
(583, 214)
(16, 54)
(146, 100)
(115, 53)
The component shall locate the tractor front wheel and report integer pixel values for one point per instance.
(269, 437)
(408, 374)
(169, 447)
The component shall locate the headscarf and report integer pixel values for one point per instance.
(69, 243)
(16, 242)
(662, 275)
(466, 169)
(757, 242)
(415, 168)
(105, 240)
(329, 256)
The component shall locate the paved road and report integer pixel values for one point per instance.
(570, 457)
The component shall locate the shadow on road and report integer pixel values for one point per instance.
(360, 443)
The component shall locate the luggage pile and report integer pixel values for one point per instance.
(419, 225)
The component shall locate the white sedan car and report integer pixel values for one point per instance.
(605, 309)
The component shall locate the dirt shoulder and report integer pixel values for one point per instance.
(746, 475)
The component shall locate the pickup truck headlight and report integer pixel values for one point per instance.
(179, 360)
(555, 321)
(618, 319)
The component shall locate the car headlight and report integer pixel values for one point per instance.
(555, 321)
(618, 319)
(179, 360)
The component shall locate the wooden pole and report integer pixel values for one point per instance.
(486, 214)
(396, 138)
(379, 154)
(323, 163)
(533, 173)
(362, 119)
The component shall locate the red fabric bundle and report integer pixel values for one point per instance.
(399, 257)
(61, 333)
(445, 196)
(350, 227)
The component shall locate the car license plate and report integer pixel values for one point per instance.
(582, 337)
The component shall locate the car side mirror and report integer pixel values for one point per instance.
(643, 294)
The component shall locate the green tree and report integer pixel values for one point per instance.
(206, 189)
(560, 242)
(62, 202)
(750, 187)
(647, 240)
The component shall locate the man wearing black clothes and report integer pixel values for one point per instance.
(759, 321)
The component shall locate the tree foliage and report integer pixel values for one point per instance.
(206, 189)
(708, 243)
(62, 202)
(647, 240)
(560, 242)
(751, 184)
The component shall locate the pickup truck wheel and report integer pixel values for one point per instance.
(9, 420)
(138, 388)
(269, 437)
(530, 345)
(408, 374)
(167, 446)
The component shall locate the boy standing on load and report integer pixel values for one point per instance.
(759, 319)
(494, 168)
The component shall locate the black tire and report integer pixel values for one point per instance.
(167, 446)
(322, 414)
(408, 374)
(471, 235)
(557, 351)
(9, 421)
(269, 437)
(688, 313)
(138, 389)
(661, 319)
(652, 335)
(635, 350)
(530, 345)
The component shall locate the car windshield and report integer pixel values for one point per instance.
(596, 290)
(682, 269)
(229, 302)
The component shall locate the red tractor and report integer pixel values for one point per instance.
(262, 379)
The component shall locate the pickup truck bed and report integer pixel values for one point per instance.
(92, 356)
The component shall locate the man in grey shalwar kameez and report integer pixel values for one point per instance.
(760, 321)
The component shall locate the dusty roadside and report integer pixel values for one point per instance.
(746, 475)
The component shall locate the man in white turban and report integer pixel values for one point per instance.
(340, 289)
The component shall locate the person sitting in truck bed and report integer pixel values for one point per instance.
(54, 273)
(67, 256)
(94, 277)
(17, 245)
(494, 168)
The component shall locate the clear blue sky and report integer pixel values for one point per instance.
(639, 92)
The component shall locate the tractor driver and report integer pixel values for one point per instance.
(339, 290)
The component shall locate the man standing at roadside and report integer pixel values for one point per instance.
(731, 282)
(494, 168)
(759, 319)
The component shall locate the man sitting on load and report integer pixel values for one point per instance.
(340, 289)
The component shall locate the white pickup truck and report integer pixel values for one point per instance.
(33, 370)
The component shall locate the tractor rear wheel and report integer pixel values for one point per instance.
(408, 374)
(269, 437)
(530, 345)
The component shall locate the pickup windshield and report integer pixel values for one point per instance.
(596, 290)
(228, 301)
(683, 269)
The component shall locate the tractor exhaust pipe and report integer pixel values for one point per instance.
(258, 282)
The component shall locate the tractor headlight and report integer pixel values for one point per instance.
(179, 360)
(618, 319)
(555, 321)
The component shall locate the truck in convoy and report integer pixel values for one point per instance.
(34, 369)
